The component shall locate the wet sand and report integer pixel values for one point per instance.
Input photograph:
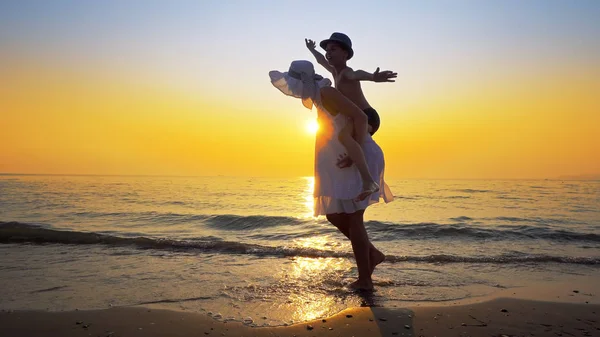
(498, 317)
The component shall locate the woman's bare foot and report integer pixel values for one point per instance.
(360, 285)
(368, 189)
(376, 258)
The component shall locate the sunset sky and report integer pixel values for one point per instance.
(485, 89)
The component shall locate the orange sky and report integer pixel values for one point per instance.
(511, 116)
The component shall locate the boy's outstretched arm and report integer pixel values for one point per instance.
(310, 44)
(377, 76)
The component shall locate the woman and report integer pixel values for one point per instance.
(335, 188)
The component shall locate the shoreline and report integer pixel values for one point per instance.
(495, 317)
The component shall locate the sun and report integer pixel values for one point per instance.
(312, 126)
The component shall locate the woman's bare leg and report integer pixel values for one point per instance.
(375, 255)
(360, 245)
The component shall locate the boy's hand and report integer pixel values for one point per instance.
(384, 76)
(310, 44)
(344, 161)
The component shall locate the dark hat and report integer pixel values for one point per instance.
(342, 39)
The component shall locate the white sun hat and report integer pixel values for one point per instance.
(300, 81)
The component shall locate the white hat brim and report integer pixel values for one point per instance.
(291, 86)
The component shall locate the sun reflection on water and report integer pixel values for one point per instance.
(314, 304)
(314, 242)
(308, 197)
(304, 267)
(318, 274)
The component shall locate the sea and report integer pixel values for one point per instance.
(249, 249)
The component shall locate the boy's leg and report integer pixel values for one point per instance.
(355, 153)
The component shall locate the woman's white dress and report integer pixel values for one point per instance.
(335, 188)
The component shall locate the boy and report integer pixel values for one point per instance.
(338, 51)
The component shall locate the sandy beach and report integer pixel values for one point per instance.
(498, 317)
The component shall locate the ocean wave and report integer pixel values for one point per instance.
(150, 215)
(498, 259)
(470, 190)
(536, 220)
(238, 222)
(15, 232)
(461, 218)
(392, 231)
(265, 227)
(223, 221)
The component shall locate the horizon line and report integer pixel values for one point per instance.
(582, 177)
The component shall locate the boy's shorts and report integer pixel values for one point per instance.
(373, 119)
